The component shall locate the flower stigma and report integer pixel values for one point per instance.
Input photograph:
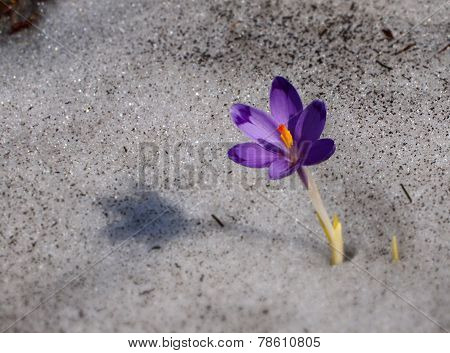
(285, 136)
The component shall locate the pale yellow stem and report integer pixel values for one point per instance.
(333, 232)
(394, 248)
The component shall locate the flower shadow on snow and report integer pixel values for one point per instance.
(144, 216)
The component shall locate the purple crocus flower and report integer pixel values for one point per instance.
(288, 139)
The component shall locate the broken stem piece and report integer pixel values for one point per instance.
(333, 231)
(394, 248)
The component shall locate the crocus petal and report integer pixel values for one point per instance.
(303, 148)
(311, 122)
(282, 167)
(284, 101)
(320, 151)
(257, 125)
(296, 130)
(251, 155)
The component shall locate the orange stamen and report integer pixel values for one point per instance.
(285, 136)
